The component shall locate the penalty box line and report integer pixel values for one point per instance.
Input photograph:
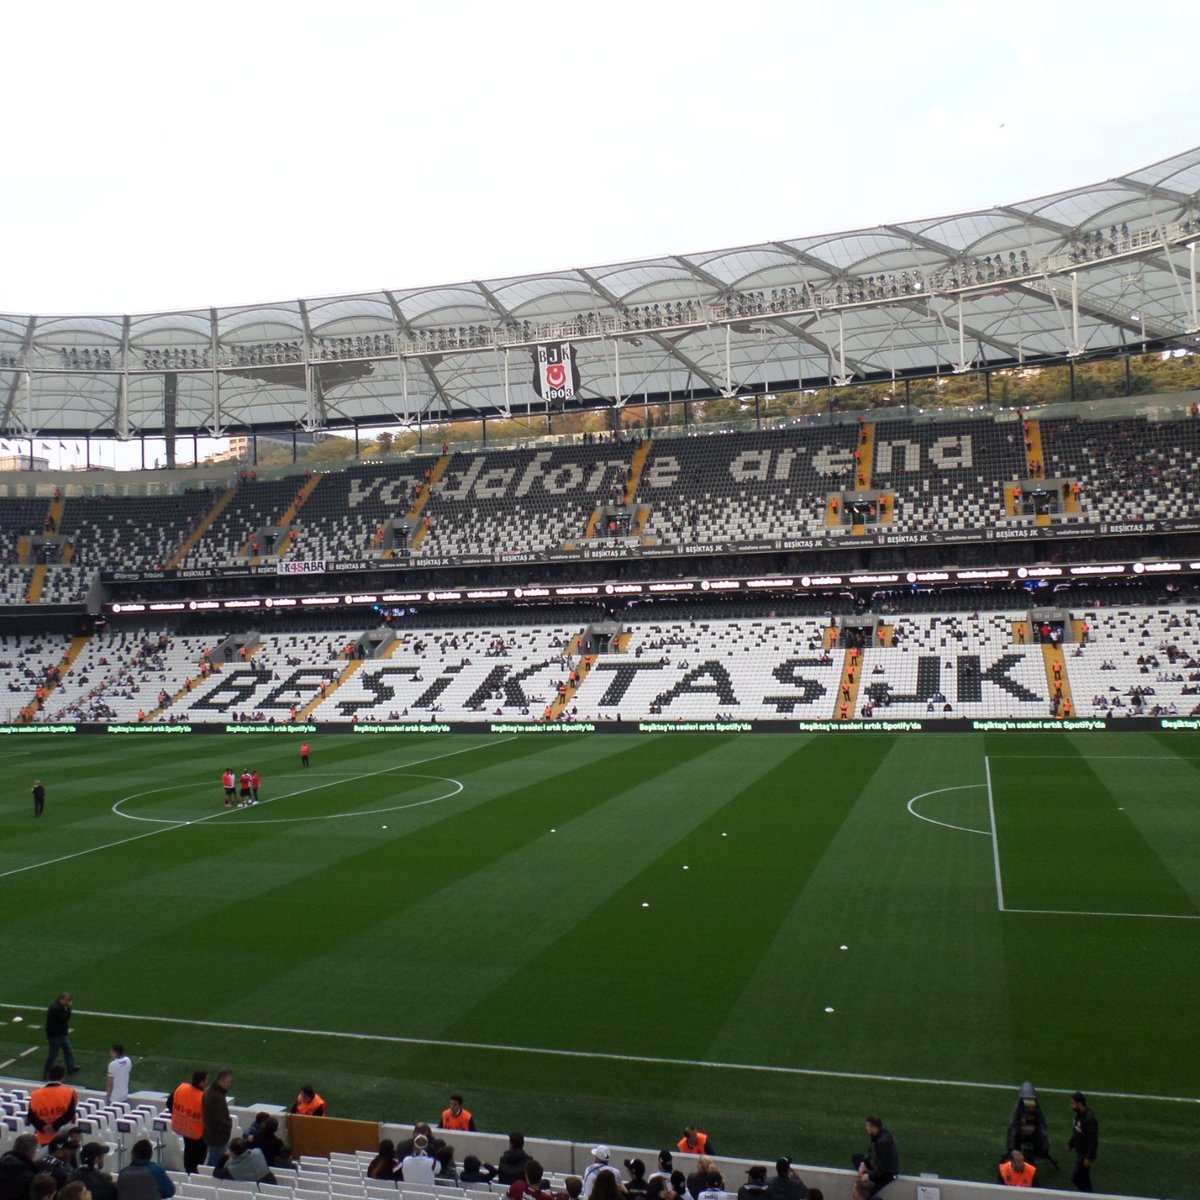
(137, 837)
(604, 1056)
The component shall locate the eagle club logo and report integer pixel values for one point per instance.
(555, 372)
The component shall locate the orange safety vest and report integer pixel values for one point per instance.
(1012, 1179)
(701, 1146)
(310, 1108)
(47, 1105)
(187, 1111)
(461, 1122)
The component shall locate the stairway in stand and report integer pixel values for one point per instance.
(1055, 662)
(193, 539)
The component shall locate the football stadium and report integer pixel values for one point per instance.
(746, 690)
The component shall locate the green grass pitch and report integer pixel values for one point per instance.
(612, 937)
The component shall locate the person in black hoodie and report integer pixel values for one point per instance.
(17, 1168)
(511, 1166)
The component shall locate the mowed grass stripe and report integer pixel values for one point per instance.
(334, 896)
(1162, 800)
(561, 978)
(913, 904)
(446, 896)
(1066, 844)
(181, 896)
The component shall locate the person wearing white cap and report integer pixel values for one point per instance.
(598, 1165)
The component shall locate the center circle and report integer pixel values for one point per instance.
(455, 788)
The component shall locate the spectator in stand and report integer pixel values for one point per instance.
(715, 1189)
(881, 1163)
(218, 1124)
(572, 1188)
(43, 1187)
(473, 1171)
(446, 1172)
(383, 1165)
(697, 1181)
(531, 1185)
(57, 1161)
(91, 1173)
(419, 1166)
(17, 1168)
(607, 1185)
(143, 1177)
(787, 1184)
(597, 1167)
(511, 1166)
(264, 1136)
(245, 1163)
(636, 1184)
(420, 1129)
(755, 1187)
(665, 1161)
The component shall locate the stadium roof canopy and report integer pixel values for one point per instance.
(1089, 271)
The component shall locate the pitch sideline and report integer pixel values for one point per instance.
(606, 1056)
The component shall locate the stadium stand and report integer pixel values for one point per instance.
(139, 532)
(515, 500)
(929, 665)
(919, 476)
(1139, 662)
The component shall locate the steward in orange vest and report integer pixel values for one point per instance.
(457, 1117)
(51, 1107)
(308, 1103)
(1017, 1172)
(187, 1119)
(694, 1142)
(187, 1107)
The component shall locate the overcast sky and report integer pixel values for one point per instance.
(171, 155)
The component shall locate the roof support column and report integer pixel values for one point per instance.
(728, 363)
(617, 372)
(1075, 349)
(1195, 325)
(961, 366)
(507, 396)
(404, 385)
(213, 346)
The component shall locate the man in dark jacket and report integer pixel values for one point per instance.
(511, 1166)
(218, 1124)
(58, 1029)
(91, 1172)
(1085, 1140)
(881, 1163)
(786, 1185)
(17, 1169)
